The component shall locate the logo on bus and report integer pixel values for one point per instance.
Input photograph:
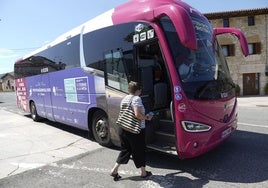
(142, 33)
(182, 107)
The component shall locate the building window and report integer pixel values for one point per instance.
(228, 50)
(254, 48)
(226, 22)
(251, 21)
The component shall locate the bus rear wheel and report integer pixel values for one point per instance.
(34, 113)
(100, 129)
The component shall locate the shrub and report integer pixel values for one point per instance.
(266, 89)
(237, 90)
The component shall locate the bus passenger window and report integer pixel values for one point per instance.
(115, 70)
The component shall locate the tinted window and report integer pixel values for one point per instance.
(111, 50)
(98, 42)
(61, 56)
(116, 70)
(28, 67)
(204, 72)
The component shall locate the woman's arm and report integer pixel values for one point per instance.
(139, 115)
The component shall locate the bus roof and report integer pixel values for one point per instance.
(101, 21)
(148, 10)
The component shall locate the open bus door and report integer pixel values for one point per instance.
(156, 96)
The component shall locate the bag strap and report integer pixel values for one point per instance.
(130, 101)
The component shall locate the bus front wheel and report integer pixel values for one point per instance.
(34, 113)
(100, 128)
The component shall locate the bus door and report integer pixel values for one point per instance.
(156, 97)
(152, 75)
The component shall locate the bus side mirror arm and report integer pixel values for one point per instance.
(182, 22)
(237, 33)
(178, 15)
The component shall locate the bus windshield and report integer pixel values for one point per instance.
(203, 72)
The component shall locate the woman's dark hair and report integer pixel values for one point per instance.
(133, 87)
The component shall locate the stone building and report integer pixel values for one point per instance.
(7, 82)
(251, 72)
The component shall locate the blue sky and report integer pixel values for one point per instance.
(26, 25)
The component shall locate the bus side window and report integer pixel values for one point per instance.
(116, 76)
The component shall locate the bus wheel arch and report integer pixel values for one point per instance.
(99, 126)
(33, 112)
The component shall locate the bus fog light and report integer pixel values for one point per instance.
(195, 145)
(190, 126)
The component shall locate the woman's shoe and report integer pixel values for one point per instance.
(116, 176)
(148, 173)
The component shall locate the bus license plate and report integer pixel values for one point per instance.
(226, 132)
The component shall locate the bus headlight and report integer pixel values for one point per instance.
(190, 126)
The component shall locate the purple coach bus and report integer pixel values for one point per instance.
(168, 46)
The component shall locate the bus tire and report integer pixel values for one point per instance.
(34, 113)
(100, 129)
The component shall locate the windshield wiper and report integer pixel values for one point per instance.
(216, 87)
(204, 88)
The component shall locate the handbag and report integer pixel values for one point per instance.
(127, 119)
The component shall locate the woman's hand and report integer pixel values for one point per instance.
(149, 118)
(139, 115)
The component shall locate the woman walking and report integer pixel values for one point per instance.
(133, 144)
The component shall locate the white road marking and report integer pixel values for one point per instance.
(253, 125)
(28, 165)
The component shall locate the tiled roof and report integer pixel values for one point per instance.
(237, 13)
(4, 75)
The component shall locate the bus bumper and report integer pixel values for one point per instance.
(204, 142)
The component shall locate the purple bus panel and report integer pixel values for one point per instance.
(64, 96)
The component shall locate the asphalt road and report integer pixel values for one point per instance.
(239, 162)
